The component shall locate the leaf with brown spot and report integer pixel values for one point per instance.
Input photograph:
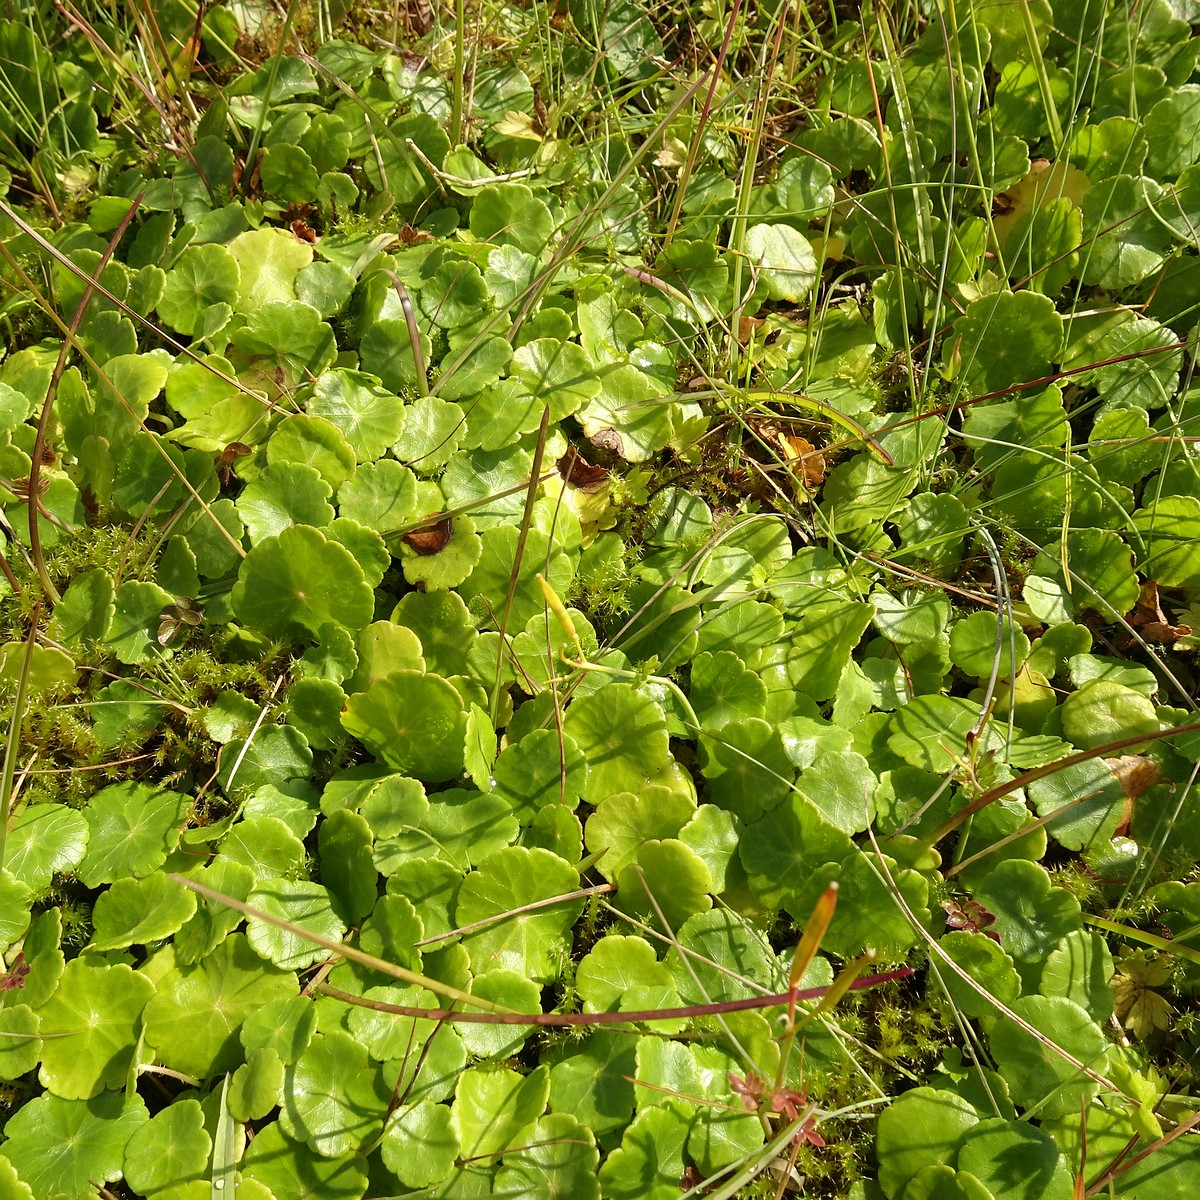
(431, 538)
(1137, 774)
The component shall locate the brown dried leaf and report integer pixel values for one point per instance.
(804, 459)
(1152, 622)
(579, 473)
(747, 328)
(608, 439)
(431, 539)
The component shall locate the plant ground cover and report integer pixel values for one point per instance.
(543, 546)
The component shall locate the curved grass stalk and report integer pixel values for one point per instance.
(16, 720)
(60, 365)
(811, 403)
(685, 172)
(1006, 789)
(518, 558)
(496, 1015)
(1166, 945)
(348, 952)
(272, 76)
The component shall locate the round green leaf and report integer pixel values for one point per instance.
(133, 634)
(622, 734)
(940, 1182)
(530, 942)
(433, 428)
(491, 1107)
(986, 963)
(171, 1148)
(447, 567)
(282, 495)
(1004, 338)
(508, 214)
(1039, 1074)
(624, 821)
(15, 906)
(256, 1086)
(1092, 801)
(86, 610)
(269, 261)
(317, 443)
(290, 1168)
(455, 294)
(202, 277)
(1101, 566)
(20, 1046)
(97, 1132)
(988, 1149)
(560, 1159)
(413, 722)
(193, 1020)
(381, 498)
(782, 849)
(384, 647)
(275, 754)
(333, 1097)
(925, 730)
(284, 1026)
(386, 352)
(515, 992)
(1101, 712)
(420, 1144)
(325, 286)
(841, 786)
(649, 1162)
(668, 883)
(44, 840)
(370, 417)
(283, 345)
(630, 415)
(91, 1027)
(787, 266)
(1124, 237)
(288, 172)
(131, 829)
(1081, 969)
(747, 768)
(139, 912)
(529, 774)
(50, 669)
(558, 374)
(910, 616)
(347, 869)
(724, 689)
(299, 581)
(1170, 529)
(307, 907)
(973, 645)
(1031, 916)
(923, 1125)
